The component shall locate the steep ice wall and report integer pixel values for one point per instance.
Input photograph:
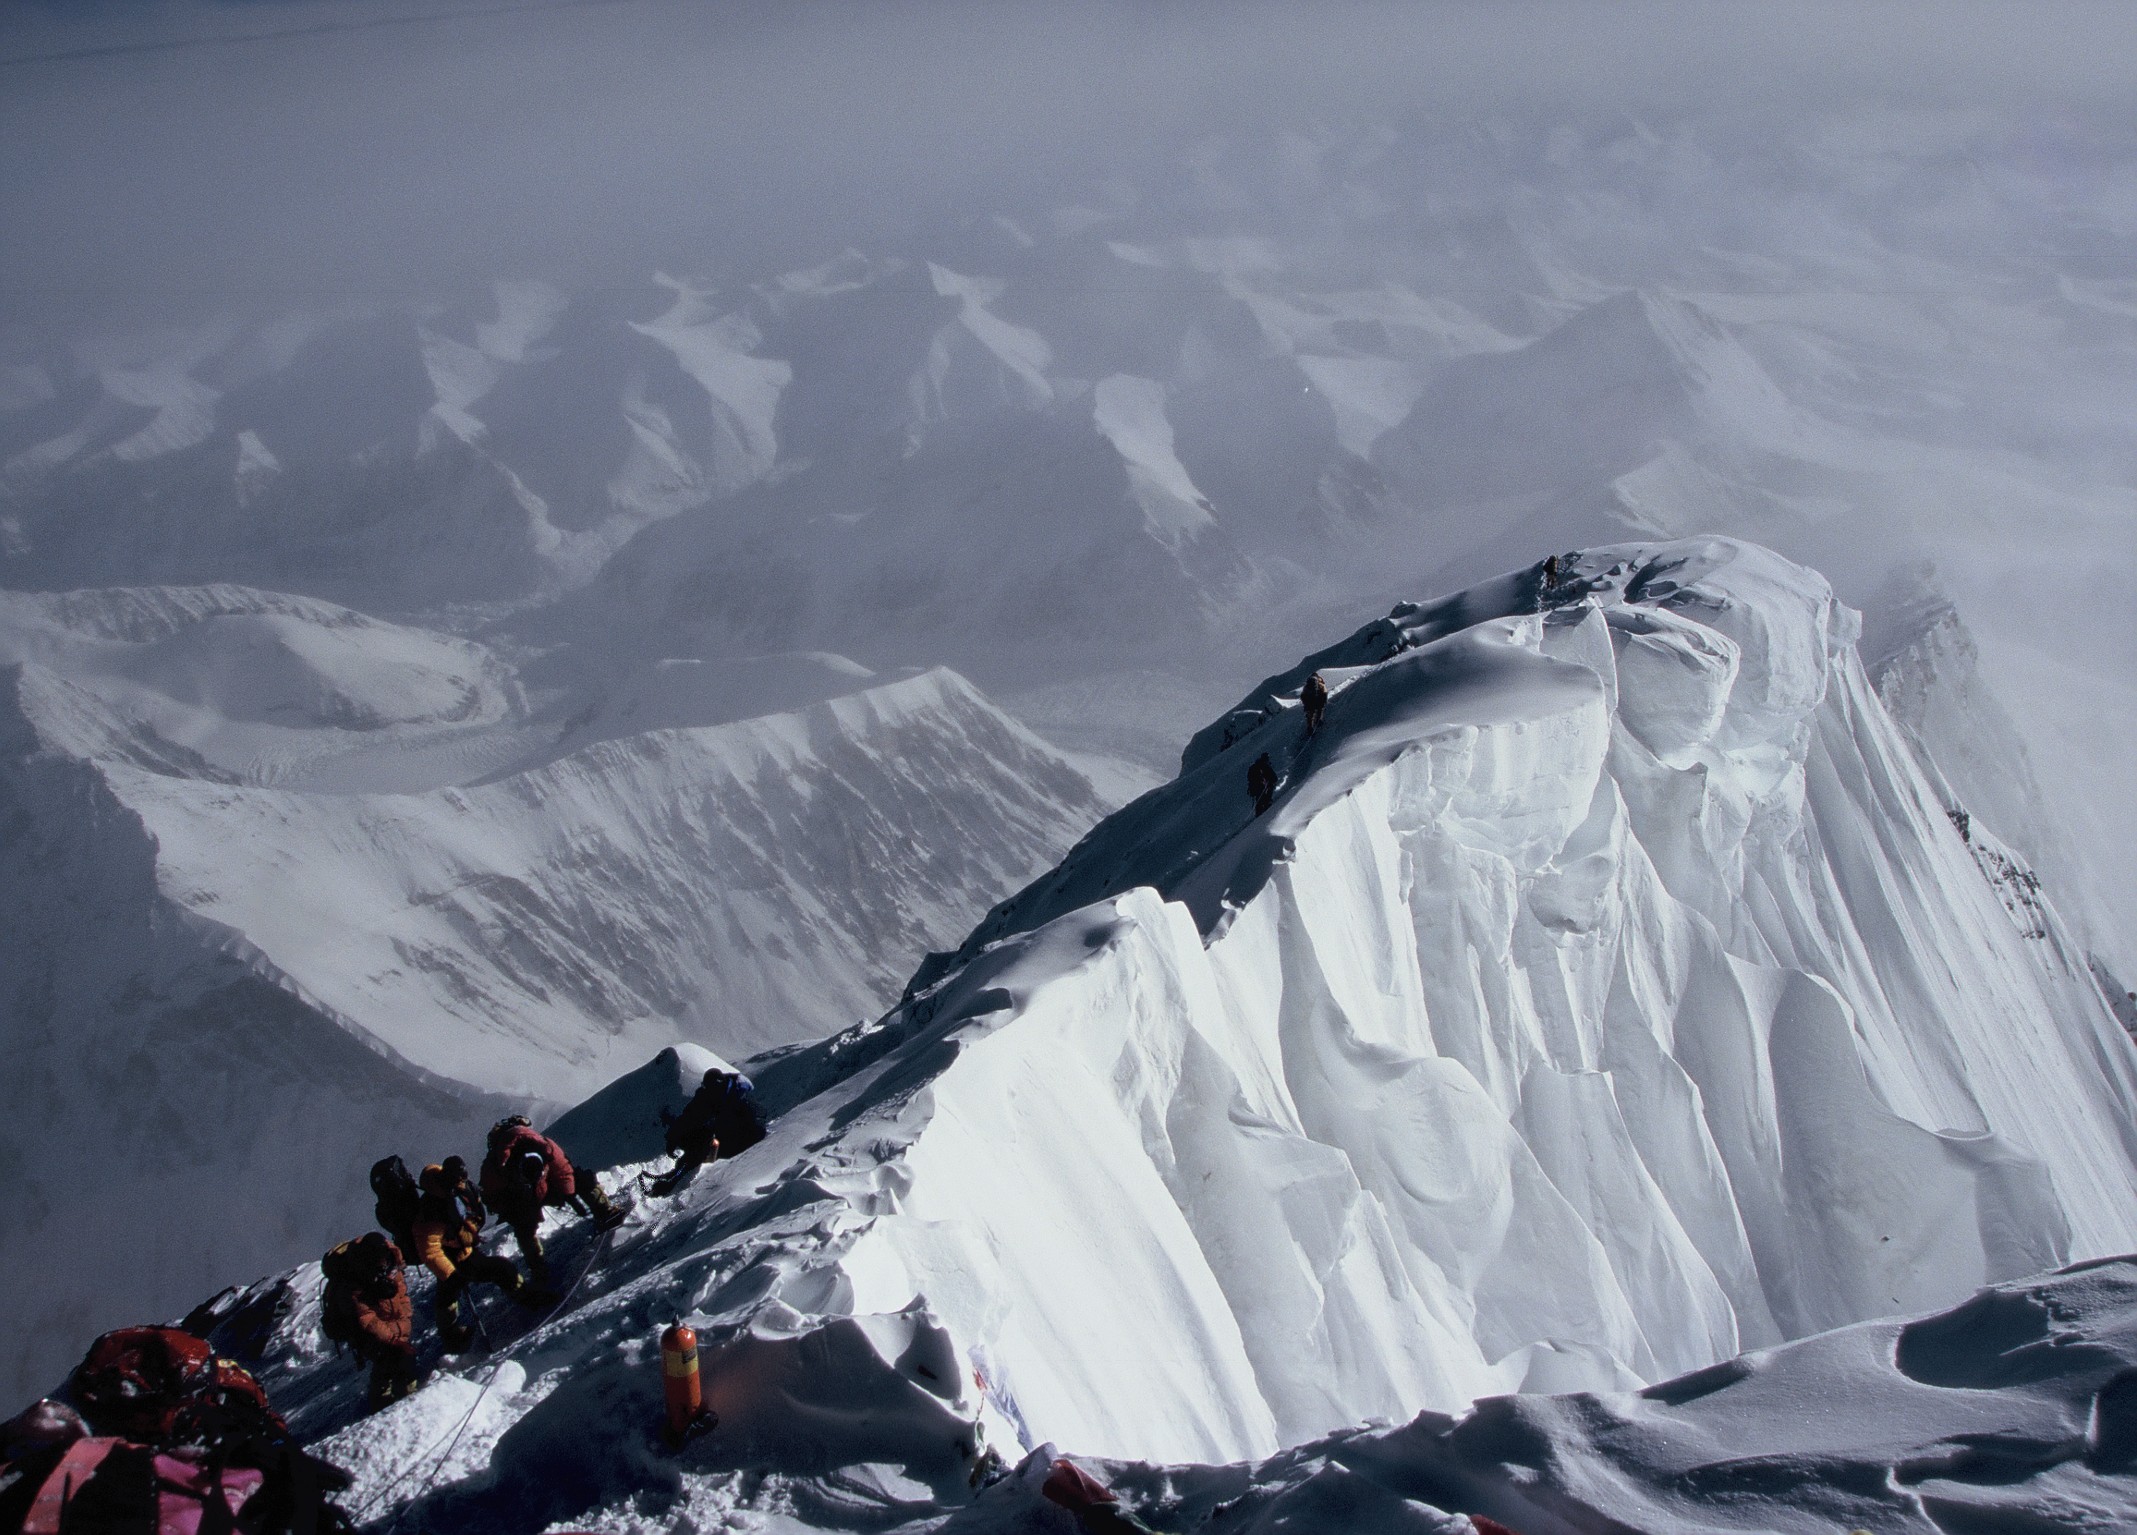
(1606, 992)
(1926, 663)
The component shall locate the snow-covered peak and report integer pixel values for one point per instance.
(1130, 414)
(226, 674)
(1598, 395)
(1605, 993)
(1753, 660)
(526, 313)
(476, 928)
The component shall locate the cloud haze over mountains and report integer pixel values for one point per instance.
(382, 150)
(532, 534)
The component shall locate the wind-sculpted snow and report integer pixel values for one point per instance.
(1610, 975)
(1606, 993)
(2013, 1411)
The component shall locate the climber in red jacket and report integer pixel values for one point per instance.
(525, 1172)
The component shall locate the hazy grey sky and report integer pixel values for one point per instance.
(151, 155)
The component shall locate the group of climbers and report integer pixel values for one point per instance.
(436, 1218)
(154, 1432)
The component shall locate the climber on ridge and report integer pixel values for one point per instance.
(1314, 698)
(366, 1306)
(721, 1120)
(447, 1223)
(1261, 783)
(526, 1171)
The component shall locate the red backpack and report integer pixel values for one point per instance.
(163, 1384)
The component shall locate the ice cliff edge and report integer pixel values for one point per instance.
(1605, 993)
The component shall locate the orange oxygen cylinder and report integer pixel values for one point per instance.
(679, 1375)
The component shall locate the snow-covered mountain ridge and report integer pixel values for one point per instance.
(534, 929)
(1621, 943)
(745, 885)
(1607, 992)
(302, 887)
(1187, 419)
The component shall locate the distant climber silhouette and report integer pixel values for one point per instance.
(1261, 783)
(1314, 697)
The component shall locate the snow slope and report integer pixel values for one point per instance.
(2012, 1411)
(742, 885)
(288, 887)
(1607, 993)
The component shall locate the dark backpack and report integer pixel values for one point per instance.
(349, 1268)
(395, 1189)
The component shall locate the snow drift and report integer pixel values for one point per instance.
(2014, 1411)
(1606, 993)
